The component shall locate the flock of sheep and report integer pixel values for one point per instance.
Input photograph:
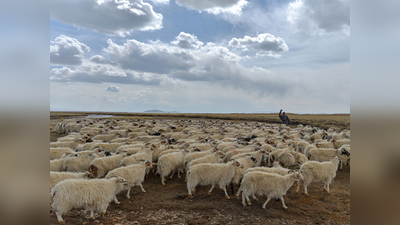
(98, 158)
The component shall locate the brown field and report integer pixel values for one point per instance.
(170, 204)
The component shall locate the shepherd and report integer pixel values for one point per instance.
(285, 119)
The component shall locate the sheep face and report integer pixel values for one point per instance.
(296, 176)
(345, 152)
(121, 180)
(238, 164)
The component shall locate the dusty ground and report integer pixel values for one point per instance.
(170, 204)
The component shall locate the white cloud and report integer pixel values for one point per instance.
(113, 17)
(187, 41)
(113, 88)
(153, 57)
(220, 51)
(100, 60)
(99, 73)
(320, 16)
(153, 63)
(215, 6)
(263, 43)
(67, 51)
(160, 1)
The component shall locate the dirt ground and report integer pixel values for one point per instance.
(170, 204)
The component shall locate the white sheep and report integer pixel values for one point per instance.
(73, 128)
(172, 162)
(318, 172)
(277, 169)
(195, 155)
(99, 167)
(325, 144)
(78, 164)
(60, 128)
(91, 194)
(247, 162)
(138, 157)
(232, 153)
(106, 137)
(272, 185)
(211, 174)
(70, 144)
(339, 143)
(56, 165)
(134, 175)
(256, 154)
(57, 153)
(111, 147)
(57, 177)
(273, 156)
(216, 157)
(291, 158)
(326, 154)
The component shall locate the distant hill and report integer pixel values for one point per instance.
(159, 111)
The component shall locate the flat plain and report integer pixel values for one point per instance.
(170, 204)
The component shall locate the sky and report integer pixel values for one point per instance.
(209, 56)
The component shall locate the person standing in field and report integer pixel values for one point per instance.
(285, 119)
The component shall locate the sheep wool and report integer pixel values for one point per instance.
(271, 185)
(211, 174)
(57, 177)
(134, 175)
(318, 172)
(172, 162)
(91, 194)
(99, 167)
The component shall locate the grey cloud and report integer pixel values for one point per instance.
(159, 62)
(318, 17)
(214, 6)
(100, 60)
(67, 51)
(113, 88)
(187, 41)
(267, 43)
(229, 73)
(153, 58)
(101, 74)
(113, 17)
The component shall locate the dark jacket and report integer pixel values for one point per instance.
(285, 119)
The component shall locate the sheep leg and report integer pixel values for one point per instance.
(212, 187)
(226, 193)
(283, 202)
(254, 197)
(172, 175)
(179, 174)
(127, 194)
(327, 189)
(305, 190)
(238, 192)
(162, 180)
(116, 200)
(243, 199)
(298, 187)
(248, 200)
(59, 217)
(265, 204)
(190, 192)
(141, 186)
(91, 214)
